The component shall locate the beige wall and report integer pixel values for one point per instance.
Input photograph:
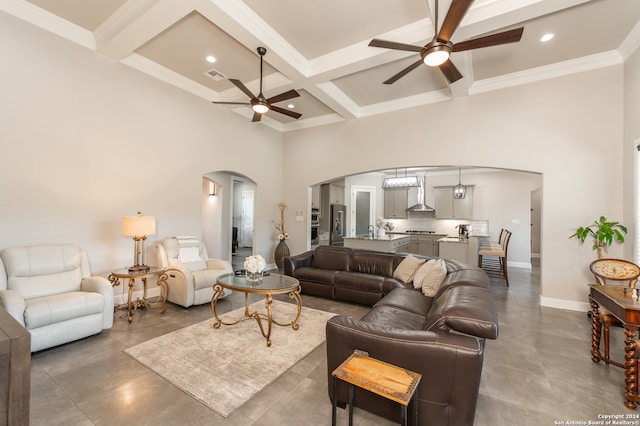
(631, 140)
(85, 141)
(564, 128)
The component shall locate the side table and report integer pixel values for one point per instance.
(384, 379)
(132, 276)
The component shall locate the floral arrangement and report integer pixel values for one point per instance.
(279, 225)
(255, 264)
(386, 225)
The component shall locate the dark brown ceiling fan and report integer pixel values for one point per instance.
(436, 52)
(260, 104)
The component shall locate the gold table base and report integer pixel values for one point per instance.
(133, 305)
(258, 316)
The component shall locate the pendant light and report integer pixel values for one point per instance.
(459, 191)
(401, 182)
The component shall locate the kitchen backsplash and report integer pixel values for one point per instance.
(439, 226)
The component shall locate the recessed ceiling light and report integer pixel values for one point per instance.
(211, 59)
(291, 106)
(546, 37)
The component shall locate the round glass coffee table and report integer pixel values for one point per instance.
(271, 284)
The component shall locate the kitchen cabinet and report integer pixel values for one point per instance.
(330, 193)
(448, 207)
(396, 202)
(425, 245)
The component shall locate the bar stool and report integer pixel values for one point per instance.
(496, 267)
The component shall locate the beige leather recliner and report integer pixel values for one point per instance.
(50, 291)
(191, 274)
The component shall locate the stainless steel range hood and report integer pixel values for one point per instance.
(421, 206)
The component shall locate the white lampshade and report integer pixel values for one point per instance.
(138, 226)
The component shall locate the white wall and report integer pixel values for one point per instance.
(563, 128)
(86, 140)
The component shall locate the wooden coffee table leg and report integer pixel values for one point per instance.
(630, 368)
(596, 332)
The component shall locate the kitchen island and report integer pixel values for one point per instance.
(390, 243)
(464, 249)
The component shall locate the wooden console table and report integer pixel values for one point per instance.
(379, 377)
(623, 307)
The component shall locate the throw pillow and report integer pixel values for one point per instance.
(407, 269)
(430, 277)
(189, 254)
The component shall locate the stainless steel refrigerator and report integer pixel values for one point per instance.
(338, 224)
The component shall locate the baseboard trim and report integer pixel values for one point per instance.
(569, 305)
(525, 265)
(121, 299)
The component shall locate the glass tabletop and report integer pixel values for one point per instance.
(125, 273)
(272, 282)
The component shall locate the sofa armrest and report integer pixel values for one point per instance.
(103, 286)
(220, 265)
(451, 366)
(297, 261)
(465, 309)
(14, 304)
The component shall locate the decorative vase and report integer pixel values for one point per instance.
(254, 277)
(381, 233)
(282, 250)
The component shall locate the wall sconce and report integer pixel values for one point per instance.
(138, 227)
(212, 189)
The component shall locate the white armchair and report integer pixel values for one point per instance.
(49, 290)
(191, 274)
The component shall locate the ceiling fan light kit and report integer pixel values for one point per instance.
(259, 104)
(436, 53)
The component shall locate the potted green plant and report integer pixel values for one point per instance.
(603, 233)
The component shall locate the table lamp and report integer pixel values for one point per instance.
(138, 227)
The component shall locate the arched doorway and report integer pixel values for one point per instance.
(228, 216)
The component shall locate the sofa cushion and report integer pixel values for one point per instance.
(409, 300)
(372, 262)
(357, 281)
(47, 310)
(430, 276)
(317, 275)
(407, 269)
(393, 317)
(331, 257)
(465, 309)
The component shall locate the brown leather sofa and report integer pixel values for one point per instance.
(440, 337)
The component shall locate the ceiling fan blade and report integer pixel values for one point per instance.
(450, 71)
(455, 14)
(230, 103)
(394, 45)
(256, 117)
(242, 87)
(404, 72)
(293, 114)
(511, 36)
(283, 96)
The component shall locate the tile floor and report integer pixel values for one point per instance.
(538, 372)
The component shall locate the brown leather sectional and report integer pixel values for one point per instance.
(440, 337)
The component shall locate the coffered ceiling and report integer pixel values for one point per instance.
(321, 48)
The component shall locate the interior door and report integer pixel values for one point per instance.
(246, 227)
(363, 209)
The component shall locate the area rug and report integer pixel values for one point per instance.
(225, 367)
